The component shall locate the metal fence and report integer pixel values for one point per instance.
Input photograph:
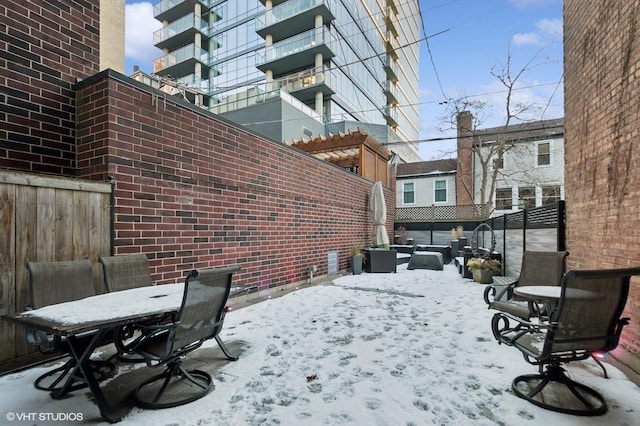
(537, 229)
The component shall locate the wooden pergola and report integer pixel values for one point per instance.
(356, 151)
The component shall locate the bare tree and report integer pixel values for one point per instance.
(489, 148)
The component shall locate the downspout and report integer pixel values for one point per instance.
(112, 216)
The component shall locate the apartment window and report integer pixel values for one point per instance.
(440, 191)
(408, 193)
(503, 199)
(544, 154)
(550, 194)
(527, 197)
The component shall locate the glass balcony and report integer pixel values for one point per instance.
(392, 5)
(292, 17)
(305, 84)
(194, 82)
(181, 61)
(297, 51)
(390, 91)
(170, 10)
(179, 32)
(391, 67)
(389, 20)
(391, 114)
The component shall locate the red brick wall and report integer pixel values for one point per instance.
(44, 47)
(602, 154)
(193, 191)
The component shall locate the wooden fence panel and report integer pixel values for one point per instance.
(45, 219)
(7, 268)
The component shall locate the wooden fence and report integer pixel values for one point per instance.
(45, 219)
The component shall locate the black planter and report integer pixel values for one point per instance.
(356, 264)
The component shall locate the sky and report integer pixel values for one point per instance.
(465, 41)
(408, 348)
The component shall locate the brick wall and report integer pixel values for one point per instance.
(44, 47)
(602, 133)
(193, 191)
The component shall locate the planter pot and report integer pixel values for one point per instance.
(483, 276)
(455, 249)
(356, 265)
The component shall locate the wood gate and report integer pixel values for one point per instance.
(45, 219)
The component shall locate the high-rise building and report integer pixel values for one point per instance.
(295, 68)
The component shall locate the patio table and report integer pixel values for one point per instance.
(101, 314)
(549, 296)
(550, 293)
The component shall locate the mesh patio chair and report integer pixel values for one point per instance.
(200, 318)
(125, 272)
(586, 320)
(57, 282)
(538, 268)
(120, 273)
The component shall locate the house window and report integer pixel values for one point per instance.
(527, 197)
(544, 154)
(440, 191)
(550, 194)
(503, 199)
(408, 193)
(498, 163)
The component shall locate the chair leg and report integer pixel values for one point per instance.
(174, 386)
(59, 373)
(102, 370)
(563, 394)
(604, 370)
(225, 350)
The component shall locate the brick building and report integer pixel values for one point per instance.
(190, 190)
(602, 132)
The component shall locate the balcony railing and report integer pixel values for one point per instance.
(289, 88)
(184, 54)
(187, 22)
(312, 39)
(287, 10)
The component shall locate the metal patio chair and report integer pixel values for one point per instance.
(200, 318)
(586, 320)
(52, 283)
(538, 268)
(119, 273)
(125, 272)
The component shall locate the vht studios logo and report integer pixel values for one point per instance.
(45, 417)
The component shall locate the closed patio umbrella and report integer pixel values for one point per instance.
(378, 213)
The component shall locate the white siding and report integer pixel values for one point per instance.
(521, 170)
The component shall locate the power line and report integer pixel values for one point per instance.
(420, 103)
(433, 64)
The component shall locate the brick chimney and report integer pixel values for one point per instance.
(464, 169)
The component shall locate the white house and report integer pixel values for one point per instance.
(426, 183)
(530, 174)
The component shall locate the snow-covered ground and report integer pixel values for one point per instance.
(411, 348)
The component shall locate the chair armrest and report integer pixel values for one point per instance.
(125, 341)
(45, 343)
(509, 328)
(497, 294)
